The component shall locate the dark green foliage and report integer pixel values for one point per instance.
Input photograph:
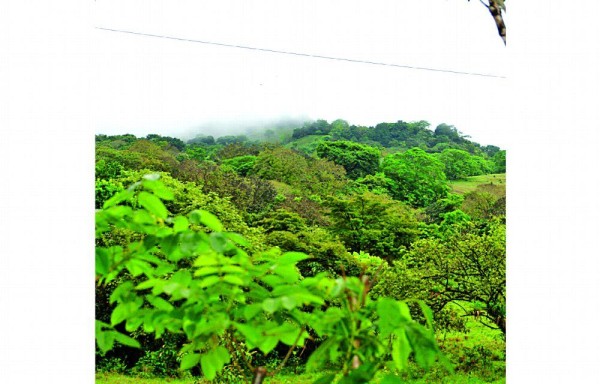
(373, 223)
(306, 175)
(326, 253)
(224, 140)
(419, 177)
(358, 160)
(196, 152)
(499, 160)
(459, 164)
(164, 141)
(401, 134)
(282, 220)
(434, 212)
(319, 127)
(378, 183)
(202, 139)
(240, 149)
(282, 164)
(105, 189)
(242, 165)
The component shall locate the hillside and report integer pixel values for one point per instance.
(216, 256)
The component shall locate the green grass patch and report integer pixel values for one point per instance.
(470, 184)
(117, 378)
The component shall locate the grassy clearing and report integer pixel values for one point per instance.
(434, 376)
(468, 185)
(116, 378)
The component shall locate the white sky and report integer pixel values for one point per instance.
(150, 85)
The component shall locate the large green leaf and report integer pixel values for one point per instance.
(400, 350)
(118, 198)
(190, 360)
(292, 258)
(102, 262)
(152, 204)
(211, 221)
(126, 340)
(213, 362)
(159, 189)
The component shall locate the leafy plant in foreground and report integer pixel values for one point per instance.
(194, 278)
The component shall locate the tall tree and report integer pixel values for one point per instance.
(418, 177)
(357, 159)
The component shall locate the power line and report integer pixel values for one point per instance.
(303, 54)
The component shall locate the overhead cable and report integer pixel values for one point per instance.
(303, 54)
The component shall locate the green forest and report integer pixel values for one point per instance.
(320, 253)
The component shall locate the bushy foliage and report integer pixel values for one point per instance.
(485, 202)
(464, 264)
(419, 177)
(358, 160)
(225, 293)
(372, 223)
(242, 165)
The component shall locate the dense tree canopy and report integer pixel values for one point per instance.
(418, 176)
(358, 160)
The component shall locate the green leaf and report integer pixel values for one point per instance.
(189, 361)
(105, 340)
(318, 358)
(422, 343)
(183, 277)
(400, 350)
(205, 271)
(126, 340)
(147, 284)
(250, 311)
(218, 242)
(160, 303)
(233, 269)
(142, 217)
(102, 262)
(116, 199)
(158, 188)
(288, 302)
(180, 224)
(209, 281)
(427, 312)
(122, 311)
(206, 218)
(238, 239)
(292, 258)
(209, 365)
(267, 344)
(271, 305)
(233, 279)
(222, 356)
(152, 204)
(251, 334)
(122, 291)
(137, 267)
(289, 273)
